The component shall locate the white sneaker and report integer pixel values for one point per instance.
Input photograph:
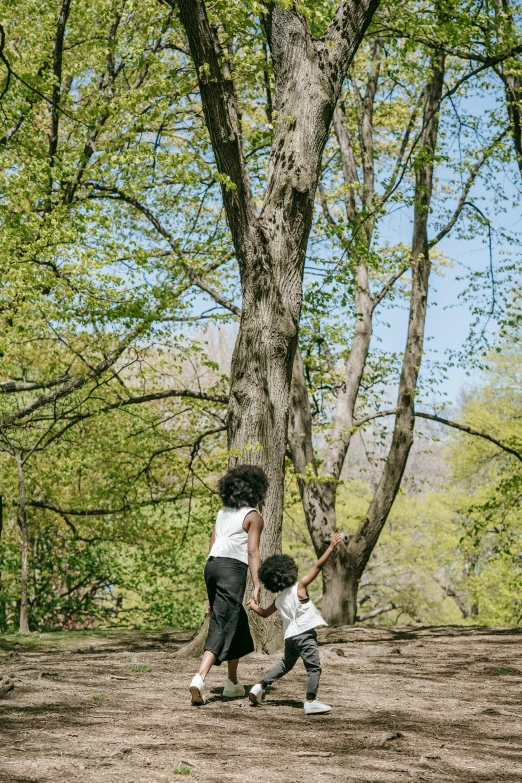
(197, 690)
(231, 691)
(316, 708)
(256, 694)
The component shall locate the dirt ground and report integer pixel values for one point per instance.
(116, 708)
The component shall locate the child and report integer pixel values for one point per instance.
(300, 618)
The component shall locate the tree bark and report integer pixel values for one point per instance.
(271, 244)
(195, 647)
(3, 618)
(512, 81)
(339, 602)
(22, 520)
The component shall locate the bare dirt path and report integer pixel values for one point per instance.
(116, 709)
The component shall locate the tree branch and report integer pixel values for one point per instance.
(350, 176)
(389, 285)
(80, 380)
(5, 61)
(487, 60)
(57, 80)
(390, 187)
(376, 612)
(467, 187)
(11, 387)
(197, 280)
(222, 116)
(324, 206)
(471, 431)
(447, 423)
(345, 32)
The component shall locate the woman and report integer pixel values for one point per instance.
(234, 547)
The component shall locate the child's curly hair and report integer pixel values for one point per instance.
(243, 486)
(278, 572)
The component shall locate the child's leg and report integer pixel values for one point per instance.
(284, 666)
(312, 663)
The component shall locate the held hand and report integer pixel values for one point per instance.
(207, 610)
(253, 605)
(338, 537)
(255, 594)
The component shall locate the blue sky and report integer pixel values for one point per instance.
(449, 318)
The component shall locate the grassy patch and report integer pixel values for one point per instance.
(58, 640)
(97, 697)
(182, 769)
(142, 668)
(506, 670)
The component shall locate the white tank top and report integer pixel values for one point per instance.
(297, 617)
(231, 538)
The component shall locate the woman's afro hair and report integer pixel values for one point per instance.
(243, 486)
(278, 572)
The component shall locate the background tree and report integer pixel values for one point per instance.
(487, 486)
(414, 140)
(86, 297)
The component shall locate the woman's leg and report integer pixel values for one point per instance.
(209, 658)
(207, 662)
(229, 634)
(232, 670)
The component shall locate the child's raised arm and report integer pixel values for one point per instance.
(314, 573)
(254, 607)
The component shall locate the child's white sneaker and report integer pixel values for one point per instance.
(316, 708)
(231, 691)
(197, 690)
(256, 694)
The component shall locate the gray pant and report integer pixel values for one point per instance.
(304, 646)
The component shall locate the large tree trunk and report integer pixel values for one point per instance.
(339, 601)
(271, 244)
(22, 518)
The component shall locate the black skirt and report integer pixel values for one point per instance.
(229, 635)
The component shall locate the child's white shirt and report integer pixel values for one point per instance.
(297, 617)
